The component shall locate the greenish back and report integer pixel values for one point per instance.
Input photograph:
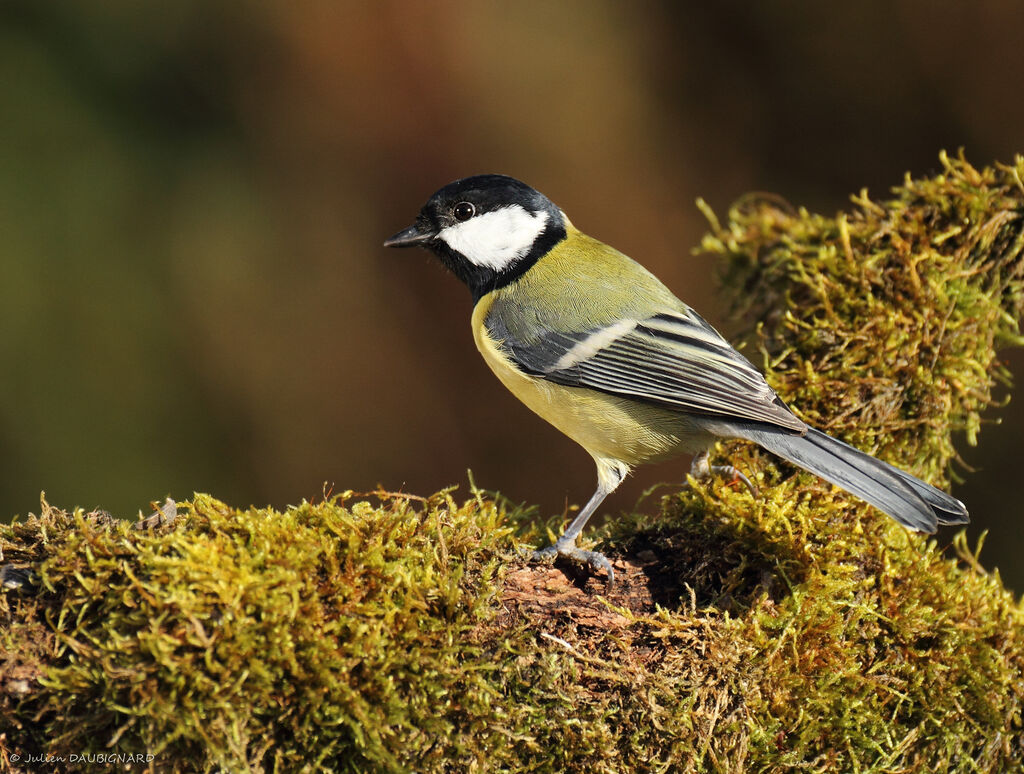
(582, 284)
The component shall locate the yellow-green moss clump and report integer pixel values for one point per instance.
(800, 629)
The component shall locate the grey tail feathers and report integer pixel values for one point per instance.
(910, 501)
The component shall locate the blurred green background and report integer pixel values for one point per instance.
(193, 295)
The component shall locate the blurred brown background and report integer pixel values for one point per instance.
(193, 295)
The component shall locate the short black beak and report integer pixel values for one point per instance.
(409, 237)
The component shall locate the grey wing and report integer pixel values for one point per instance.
(674, 359)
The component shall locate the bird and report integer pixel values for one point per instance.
(599, 347)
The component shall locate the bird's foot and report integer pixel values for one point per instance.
(595, 560)
(701, 468)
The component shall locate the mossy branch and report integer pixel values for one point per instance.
(393, 633)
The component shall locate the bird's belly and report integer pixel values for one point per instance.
(608, 426)
(605, 425)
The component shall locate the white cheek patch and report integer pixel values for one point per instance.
(496, 239)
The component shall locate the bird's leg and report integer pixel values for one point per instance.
(566, 544)
(701, 467)
(609, 477)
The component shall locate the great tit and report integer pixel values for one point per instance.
(600, 348)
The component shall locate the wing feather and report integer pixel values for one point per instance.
(673, 359)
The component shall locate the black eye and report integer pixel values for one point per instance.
(464, 211)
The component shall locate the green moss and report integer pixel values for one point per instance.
(883, 324)
(800, 629)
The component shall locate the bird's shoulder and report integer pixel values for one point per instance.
(579, 285)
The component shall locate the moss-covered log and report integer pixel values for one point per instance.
(395, 633)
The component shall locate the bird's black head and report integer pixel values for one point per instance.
(488, 229)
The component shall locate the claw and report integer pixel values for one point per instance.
(702, 468)
(595, 560)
